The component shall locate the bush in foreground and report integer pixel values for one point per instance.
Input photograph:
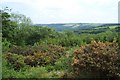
(97, 60)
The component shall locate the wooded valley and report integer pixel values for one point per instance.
(34, 51)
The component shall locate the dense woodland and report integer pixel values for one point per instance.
(31, 51)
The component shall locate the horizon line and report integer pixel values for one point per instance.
(76, 23)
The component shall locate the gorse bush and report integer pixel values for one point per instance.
(22, 50)
(45, 55)
(17, 61)
(34, 55)
(97, 59)
(30, 50)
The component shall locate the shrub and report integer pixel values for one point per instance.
(26, 72)
(30, 60)
(22, 50)
(17, 61)
(30, 50)
(97, 60)
(49, 68)
(44, 55)
(5, 45)
(36, 55)
(62, 63)
(36, 72)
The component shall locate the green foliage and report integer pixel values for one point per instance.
(61, 64)
(37, 72)
(21, 20)
(33, 72)
(39, 33)
(8, 26)
(5, 45)
(49, 68)
(17, 61)
(32, 34)
(37, 52)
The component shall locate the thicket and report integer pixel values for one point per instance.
(36, 55)
(97, 59)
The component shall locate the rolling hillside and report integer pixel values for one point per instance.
(75, 26)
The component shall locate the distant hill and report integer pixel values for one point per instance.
(75, 26)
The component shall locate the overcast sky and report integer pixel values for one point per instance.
(66, 11)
